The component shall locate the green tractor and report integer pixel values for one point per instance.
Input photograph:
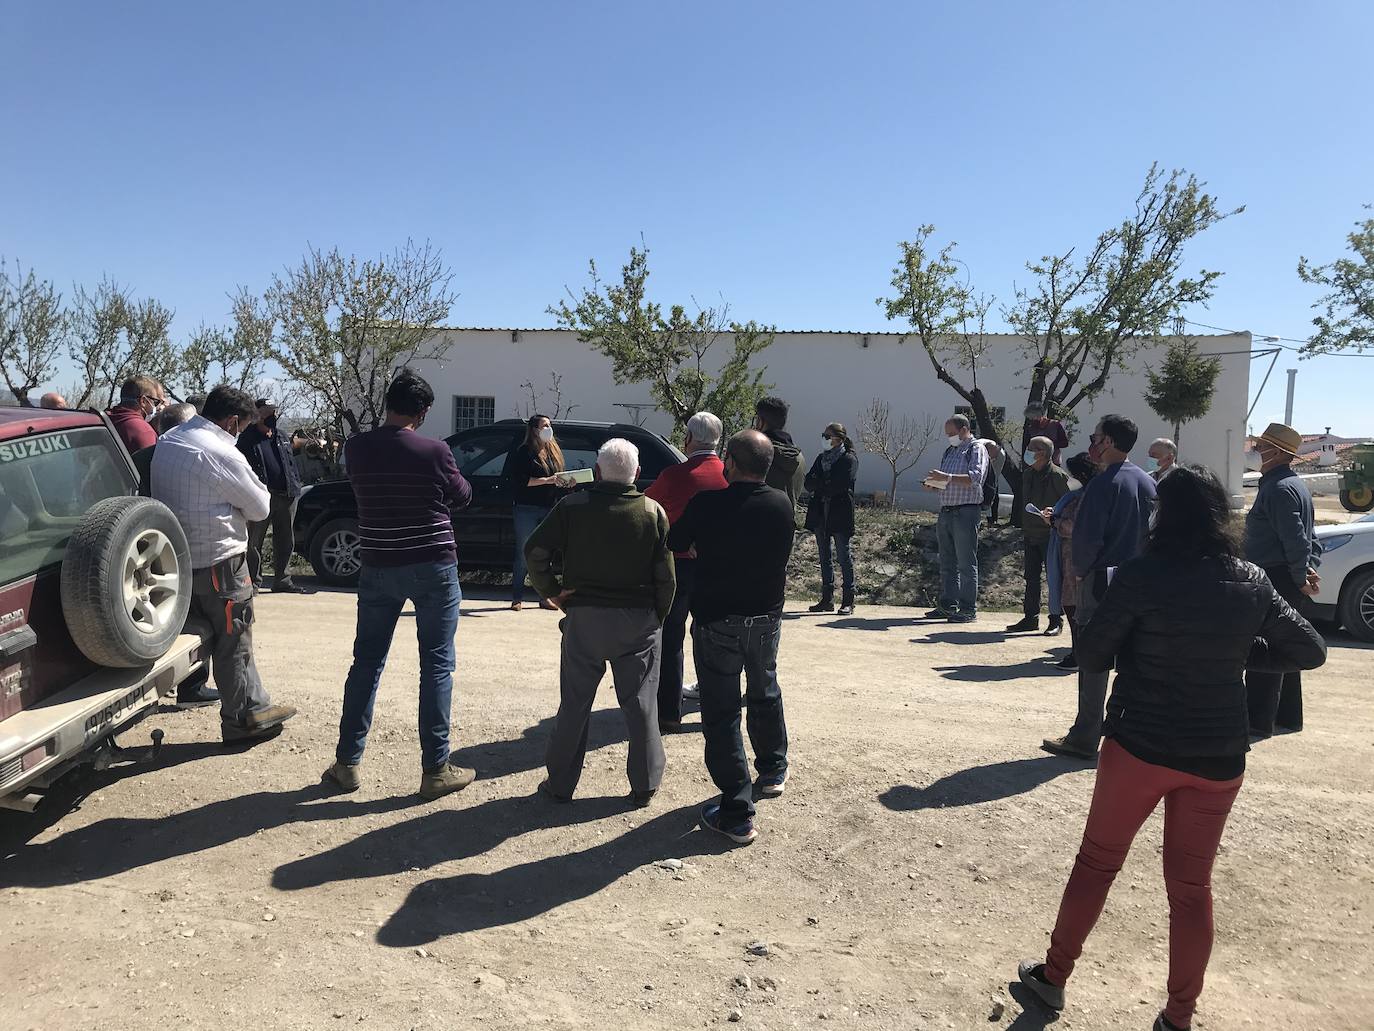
(1357, 483)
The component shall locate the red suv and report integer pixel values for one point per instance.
(95, 584)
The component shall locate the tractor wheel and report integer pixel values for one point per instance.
(1357, 499)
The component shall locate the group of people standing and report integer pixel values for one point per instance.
(1206, 635)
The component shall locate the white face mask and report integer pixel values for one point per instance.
(1151, 464)
(546, 434)
(1029, 457)
(955, 441)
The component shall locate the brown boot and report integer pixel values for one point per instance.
(445, 780)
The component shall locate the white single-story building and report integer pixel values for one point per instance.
(487, 374)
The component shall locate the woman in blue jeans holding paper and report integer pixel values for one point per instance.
(538, 485)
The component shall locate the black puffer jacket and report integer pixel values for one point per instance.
(831, 510)
(1181, 634)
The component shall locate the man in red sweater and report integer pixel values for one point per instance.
(674, 487)
(140, 398)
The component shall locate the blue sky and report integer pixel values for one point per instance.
(772, 153)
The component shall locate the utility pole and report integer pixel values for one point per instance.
(1288, 405)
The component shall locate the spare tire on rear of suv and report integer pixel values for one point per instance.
(126, 582)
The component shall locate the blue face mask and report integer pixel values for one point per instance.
(1151, 465)
(1029, 457)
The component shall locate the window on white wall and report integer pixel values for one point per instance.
(472, 411)
(998, 414)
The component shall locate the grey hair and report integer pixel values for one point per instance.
(1167, 444)
(705, 429)
(618, 461)
(958, 419)
(1043, 444)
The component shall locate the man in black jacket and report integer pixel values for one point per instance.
(273, 458)
(1279, 538)
(785, 472)
(743, 537)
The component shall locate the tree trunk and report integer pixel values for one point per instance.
(1178, 432)
(892, 494)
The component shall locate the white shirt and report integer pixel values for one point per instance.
(206, 481)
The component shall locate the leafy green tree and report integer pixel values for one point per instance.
(1083, 317)
(669, 351)
(1181, 390)
(1345, 318)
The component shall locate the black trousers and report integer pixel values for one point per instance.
(280, 518)
(1036, 552)
(1275, 699)
(670, 670)
(723, 651)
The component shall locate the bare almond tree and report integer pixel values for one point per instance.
(556, 409)
(344, 326)
(32, 321)
(112, 336)
(900, 444)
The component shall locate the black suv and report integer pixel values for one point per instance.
(327, 515)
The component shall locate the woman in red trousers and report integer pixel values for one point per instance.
(1181, 624)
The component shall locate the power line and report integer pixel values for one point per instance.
(1266, 338)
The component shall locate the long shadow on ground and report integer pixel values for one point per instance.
(995, 674)
(477, 901)
(117, 845)
(526, 752)
(962, 637)
(979, 784)
(438, 837)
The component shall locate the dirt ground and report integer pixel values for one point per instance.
(919, 853)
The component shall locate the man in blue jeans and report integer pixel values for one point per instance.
(959, 479)
(406, 486)
(743, 537)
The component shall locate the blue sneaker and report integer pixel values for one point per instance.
(740, 833)
(771, 785)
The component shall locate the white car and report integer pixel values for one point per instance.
(1346, 596)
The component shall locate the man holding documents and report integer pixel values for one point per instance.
(1042, 484)
(959, 479)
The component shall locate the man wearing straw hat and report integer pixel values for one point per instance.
(1279, 539)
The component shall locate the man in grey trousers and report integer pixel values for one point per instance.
(616, 590)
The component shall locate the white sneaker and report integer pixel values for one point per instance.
(691, 690)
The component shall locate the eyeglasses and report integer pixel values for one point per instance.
(825, 436)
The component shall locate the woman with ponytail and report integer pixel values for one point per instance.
(538, 485)
(830, 515)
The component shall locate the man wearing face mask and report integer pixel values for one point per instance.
(1042, 484)
(1279, 539)
(140, 399)
(204, 479)
(1162, 455)
(272, 457)
(959, 479)
(1109, 530)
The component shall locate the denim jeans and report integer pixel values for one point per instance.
(723, 650)
(843, 553)
(527, 517)
(957, 532)
(382, 593)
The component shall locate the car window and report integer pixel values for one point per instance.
(47, 483)
(653, 459)
(483, 454)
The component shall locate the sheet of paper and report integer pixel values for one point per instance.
(937, 484)
(579, 475)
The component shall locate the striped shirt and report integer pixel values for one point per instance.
(968, 457)
(406, 486)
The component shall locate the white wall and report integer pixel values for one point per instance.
(831, 377)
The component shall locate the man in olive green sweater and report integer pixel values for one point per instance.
(616, 590)
(1042, 484)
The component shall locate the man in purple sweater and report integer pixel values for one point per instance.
(406, 486)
